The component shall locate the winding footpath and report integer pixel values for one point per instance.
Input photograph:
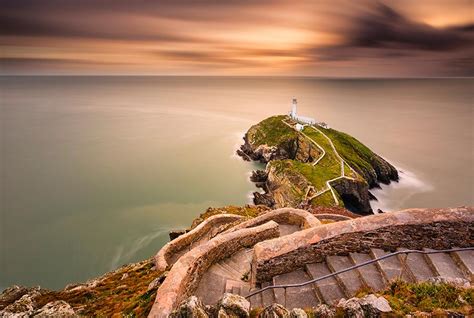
(328, 182)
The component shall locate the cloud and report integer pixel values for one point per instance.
(386, 27)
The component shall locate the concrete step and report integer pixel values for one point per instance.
(210, 288)
(370, 274)
(296, 297)
(224, 271)
(245, 290)
(465, 259)
(233, 286)
(256, 300)
(391, 268)
(328, 290)
(232, 272)
(349, 281)
(443, 265)
(417, 266)
(286, 229)
(268, 297)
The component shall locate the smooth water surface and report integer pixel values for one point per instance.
(96, 170)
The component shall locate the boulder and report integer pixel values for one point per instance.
(190, 308)
(57, 308)
(454, 281)
(12, 294)
(324, 311)
(23, 307)
(275, 311)
(298, 313)
(351, 308)
(374, 306)
(234, 306)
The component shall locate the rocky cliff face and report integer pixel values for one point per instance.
(273, 142)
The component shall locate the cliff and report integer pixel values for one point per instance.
(314, 167)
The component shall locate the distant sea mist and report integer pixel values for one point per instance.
(97, 170)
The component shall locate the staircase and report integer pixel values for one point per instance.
(375, 276)
(232, 275)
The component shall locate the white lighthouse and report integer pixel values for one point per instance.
(300, 119)
(293, 109)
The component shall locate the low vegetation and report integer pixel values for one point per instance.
(123, 292)
(407, 298)
(249, 211)
(272, 132)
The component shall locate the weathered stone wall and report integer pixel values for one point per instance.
(413, 229)
(163, 257)
(183, 278)
(302, 218)
(332, 217)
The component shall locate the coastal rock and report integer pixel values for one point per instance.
(258, 176)
(275, 311)
(374, 306)
(298, 313)
(263, 199)
(324, 311)
(12, 294)
(369, 306)
(190, 308)
(354, 194)
(176, 233)
(57, 308)
(454, 281)
(234, 305)
(351, 308)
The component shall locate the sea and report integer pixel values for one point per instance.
(95, 170)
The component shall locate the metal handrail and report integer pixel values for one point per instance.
(357, 266)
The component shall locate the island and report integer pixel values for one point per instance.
(310, 165)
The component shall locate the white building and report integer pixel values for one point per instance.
(301, 119)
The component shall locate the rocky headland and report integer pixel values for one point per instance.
(299, 163)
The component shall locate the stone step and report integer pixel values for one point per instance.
(268, 297)
(296, 297)
(255, 300)
(210, 288)
(465, 259)
(232, 272)
(245, 290)
(349, 281)
(224, 271)
(370, 274)
(443, 265)
(417, 266)
(286, 229)
(391, 268)
(233, 286)
(328, 289)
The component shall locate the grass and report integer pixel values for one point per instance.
(249, 211)
(272, 132)
(406, 297)
(351, 150)
(122, 292)
(325, 199)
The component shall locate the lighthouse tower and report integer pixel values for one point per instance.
(293, 109)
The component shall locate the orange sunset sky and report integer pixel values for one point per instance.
(341, 38)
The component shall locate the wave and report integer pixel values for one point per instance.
(393, 197)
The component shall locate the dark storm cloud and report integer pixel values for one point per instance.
(108, 19)
(385, 27)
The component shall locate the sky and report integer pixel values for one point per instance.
(327, 38)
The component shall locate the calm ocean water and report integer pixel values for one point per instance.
(96, 170)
